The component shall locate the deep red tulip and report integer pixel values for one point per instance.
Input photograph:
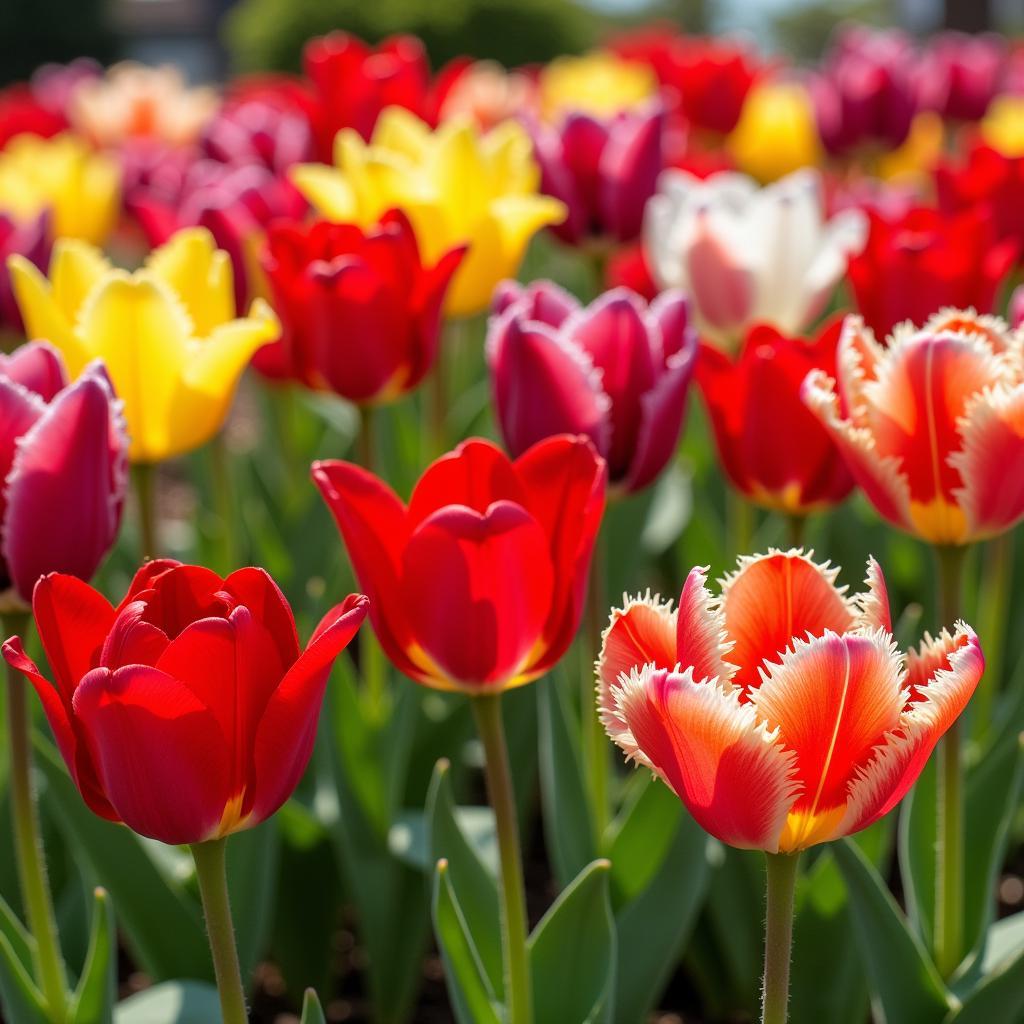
(915, 265)
(187, 712)
(63, 463)
(478, 583)
(771, 446)
(29, 238)
(958, 75)
(360, 312)
(258, 131)
(616, 370)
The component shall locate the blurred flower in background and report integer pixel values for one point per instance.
(958, 75)
(599, 83)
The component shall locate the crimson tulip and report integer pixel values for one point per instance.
(360, 312)
(188, 711)
(958, 75)
(478, 583)
(616, 370)
(63, 463)
(772, 448)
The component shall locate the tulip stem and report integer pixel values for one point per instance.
(144, 478)
(949, 897)
(778, 936)
(518, 997)
(28, 841)
(595, 740)
(223, 489)
(796, 527)
(211, 870)
(992, 607)
(739, 523)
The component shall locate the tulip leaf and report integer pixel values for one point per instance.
(572, 953)
(19, 997)
(905, 985)
(999, 998)
(171, 1002)
(469, 988)
(94, 998)
(17, 935)
(312, 1011)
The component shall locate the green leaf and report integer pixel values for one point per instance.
(999, 999)
(572, 953)
(905, 984)
(312, 1011)
(252, 865)
(171, 1002)
(19, 996)
(21, 942)
(469, 989)
(94, 998)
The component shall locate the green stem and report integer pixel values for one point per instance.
(739, 522)
(144, 478)
(49, 961)
(595, 741)
(211, 870)
(993, 604)
(224, 498)
(778, 936)
(796, 527)
(487, 712)
(949, 897)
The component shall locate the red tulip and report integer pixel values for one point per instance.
(627, 268)
(63, 463)
(360, 312)
(478, 583)
(781, 713)
(772, 448)
(22, 113)
(187, 712)
(616, 370)
(917, 264)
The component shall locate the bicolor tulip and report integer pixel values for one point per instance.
(188, 712)
(456, 186)
(921, 261)
(478, 583)
(771, 447)
(616, 370)
(166, 333)
(29, 238)
(931, 425)
(64, 467)
(958, 75)
(600, 83)
(746, 255)
(360, 312)
(780, 712)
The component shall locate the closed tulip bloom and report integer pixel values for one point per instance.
(478, 583)
(64, 467)
(931, 424)
(360, 312)
(746, 255)
(958, 74)
(166, 333)
(772, 447)
(457, 187)
(616, 370)
(188, 712)
(780, 712)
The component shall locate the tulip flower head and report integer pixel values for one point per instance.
(746, 255)
(64, 466)
(478, 583)
(187, 712)
(930, 425)
(21, 113)
(958, 74)
(456, 186)
(166, 333)
(780, 712)
(617, 371)
(601, 84)
(483, 91)
(254, 130)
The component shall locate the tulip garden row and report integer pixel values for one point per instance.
(474, 304)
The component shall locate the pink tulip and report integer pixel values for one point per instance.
(31, 239)
(256, 131)
(616, 371)
(959, 74)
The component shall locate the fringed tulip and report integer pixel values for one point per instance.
(616, 370)
(772, 448)
(931, 425)
(64, 466)
(360, 312)
(478, 583)
(167, 333)
(188, 712)
(601, 84)
(456, 186)
(746, 255)
(781, 712)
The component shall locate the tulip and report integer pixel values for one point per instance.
(21, 113)
(483, 91)
(959, 75)
(616, 370)
(361, 314)
(166, 333)
(81, 188)
(918, 263)
(628, 268)
(456, 187)
(746, 255)
(478, 583)
(1003, 126)
(30, 238)
(600, 84)
(255, 131)
(53, 85)
(772, 448)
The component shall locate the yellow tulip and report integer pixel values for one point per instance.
(599, 83)
(1003, 125)
(776, 133)
(913, 161)
(456, 186)
(80, 186)
(167, 333)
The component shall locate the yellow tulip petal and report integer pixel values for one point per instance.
(76, 267)
(519, 218)
(43, 316)
(200, 274)
(401, 131)
(99, 199)
(328, 190)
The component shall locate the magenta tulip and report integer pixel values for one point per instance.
(31, 239)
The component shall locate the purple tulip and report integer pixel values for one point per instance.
(616, 370)
(959, 75)
(603, 170)
(31, 239)
(63, 462)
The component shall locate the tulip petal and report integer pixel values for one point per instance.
(132, 640)
(701, 641)
(873, 603)
(256, 589)
(178, 595)
(37, 366)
